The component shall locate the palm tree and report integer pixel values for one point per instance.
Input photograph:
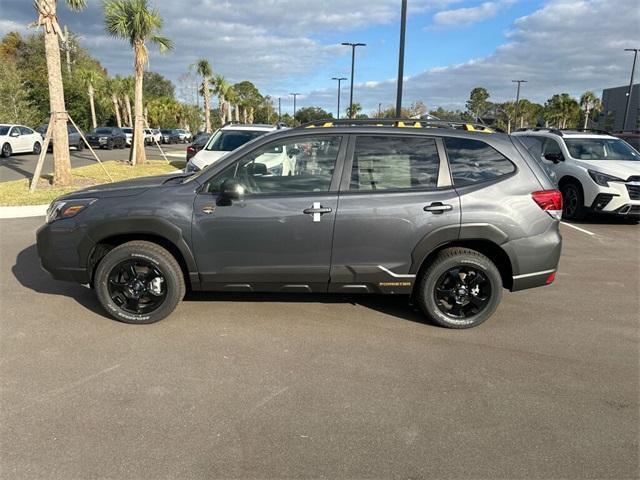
(353, 110)
(134, 21)
(91, 80)
(222, 89)
(204, 70)
(48, 20)
(114, 86)
(589, 102)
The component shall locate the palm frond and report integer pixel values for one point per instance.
(164, 44)
(76, 4)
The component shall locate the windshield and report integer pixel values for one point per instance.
(104, 131)
(228, 140)
(601, 149)
(127, 130)
(4, 130)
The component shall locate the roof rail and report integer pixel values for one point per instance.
(555, 131)
(594, 130)
(398, 123)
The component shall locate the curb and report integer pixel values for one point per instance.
(23, 211)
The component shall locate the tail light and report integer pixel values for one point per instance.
(190, 149)
(550, 278)
(550, 201)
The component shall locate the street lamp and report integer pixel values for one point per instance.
(339, 79)
(295, 95)
(353, 63)
(515, 121)
(633, 69)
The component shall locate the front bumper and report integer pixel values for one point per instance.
(63, 249)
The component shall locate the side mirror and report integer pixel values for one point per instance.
(554, 157)
(231, 189)
(15, 133)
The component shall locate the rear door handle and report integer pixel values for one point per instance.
(317, 211)
(438, 208)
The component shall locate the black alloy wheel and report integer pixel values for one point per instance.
(572, 202)
(37, 148)
(462, 292)
(6, 151)
(137, 286)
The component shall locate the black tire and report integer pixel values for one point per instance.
(6, 151)
(80, 146)
(110, 144)
(474, 265)
(143, 253)
(37, 148)
(573, 202)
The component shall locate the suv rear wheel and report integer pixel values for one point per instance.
(573, 201)
(139, 282)
(460, 289)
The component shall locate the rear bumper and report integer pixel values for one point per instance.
(63, 250)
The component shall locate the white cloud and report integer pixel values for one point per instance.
(466, 16)
(566, 46)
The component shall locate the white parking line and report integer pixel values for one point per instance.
(578, 228)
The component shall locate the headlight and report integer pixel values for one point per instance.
(67, 208)
(603, 179)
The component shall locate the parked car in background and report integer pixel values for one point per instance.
(185, 135)
(632, 138)
(75, 140)
(107, 137)
(443, 215)
(19, 139)
(595, 171)
(170, 136)
(150, 137)
(128, 132)
(197, 145)
(225, 140)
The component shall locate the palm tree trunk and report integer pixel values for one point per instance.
(222, 113)
(116, 108)
(207, 107)
(61, 160)
(237, 113)
(138, 155)
(127, 103)
(586, 117)
(94, 122)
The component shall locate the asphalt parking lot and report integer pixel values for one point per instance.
(22, 165)
(239, 386)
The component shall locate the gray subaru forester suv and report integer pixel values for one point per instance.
(447, 213)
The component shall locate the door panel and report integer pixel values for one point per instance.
(398, 199)
(279, 236)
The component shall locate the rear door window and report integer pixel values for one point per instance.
(394, 163)
(473, 161)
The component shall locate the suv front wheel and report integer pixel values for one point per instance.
(460, 289)
(573, 202)
(139, 282)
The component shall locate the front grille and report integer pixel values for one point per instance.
(634, 191)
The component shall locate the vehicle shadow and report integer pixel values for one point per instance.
(30, 275)
(595, 219)
(397, 306)
(13, 163)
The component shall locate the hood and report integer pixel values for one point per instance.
(127, 188)
(618, 168)
(204, 158)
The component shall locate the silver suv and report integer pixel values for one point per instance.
(447, 213)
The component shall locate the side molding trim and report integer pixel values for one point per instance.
(395, 275)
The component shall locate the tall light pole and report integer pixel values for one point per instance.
(353, 65)
(403, 28)
(279, 109)
(633, 69)
(339, 79)
(295, 95)
(515, 120)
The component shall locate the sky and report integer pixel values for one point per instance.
(452, 46)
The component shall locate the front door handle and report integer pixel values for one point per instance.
(438, 208)
(317, 211)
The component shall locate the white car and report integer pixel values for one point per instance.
(185, 135)
(19, 139)
(152, 135)
(128, 131)
(223, 141)
(595, 171)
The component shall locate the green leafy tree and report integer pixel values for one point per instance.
(136, 22)
(590, 105)
(15, 105)
(157, 85)
(561, 110)
(92, 81)
(353, 110)
(48, 20)
(310, 114)
(478, 103)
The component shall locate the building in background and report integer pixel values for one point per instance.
(614, 101)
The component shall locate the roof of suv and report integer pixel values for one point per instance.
(249, 126)
(565, 133)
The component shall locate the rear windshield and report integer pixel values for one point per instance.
(228, 140)
(4, 130)
(601, 149)
(106, 131)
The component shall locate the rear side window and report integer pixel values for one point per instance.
(473, 161)
(394, 163)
